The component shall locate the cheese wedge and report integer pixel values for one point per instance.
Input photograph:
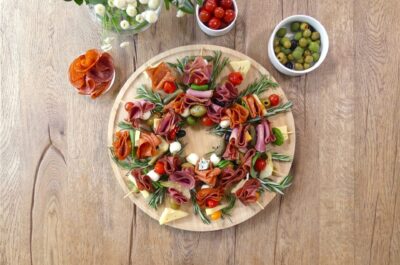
(238, 186)
(241, 66)
(156, 123)
(284, 131)
(169, 215)
(137, 136)
(162, 148)
(210, 211)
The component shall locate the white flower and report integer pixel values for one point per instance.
(124, 24)
(153, 175)
(106, 47)
(110, 3)
(144, 2)
(175, 147)
(124, 45)
(139, 18)
(224, 123)
(150, 16)
(153, 4)
(215, 159)
(180, 13)
(108, 40)
(192, 158)
(99, 9)
(131, 11)
(121, 4)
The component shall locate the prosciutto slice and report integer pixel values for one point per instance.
(191, 100)
(136, 110)
(122, 145)
(185, 177)
(208, 176)
(177, 104)
(199, 70)
(148, 143)
(159, 75)
(168, 123)
(231, 151)
(247, 159)
(240, 133)
(236, 114)
(248, 193)
(264, 135)
(229, 177)
(256, 108)
(226, 93)
(208, 193)
(177, 196)
(171, 164)
(143, 182)
(214, 112)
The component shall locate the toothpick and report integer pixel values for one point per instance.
(129, 193)
(259, 204)
(201, 51)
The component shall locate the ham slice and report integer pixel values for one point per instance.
(214, 112)
(226, 93)
(236, 114)
(143, 182)
(208, 193)
(199, 70)
(168, 123)
(177, 196)
(122, 145)
(231, 150)
(229, 177)
(247, 159)
(171, 164)
(136, 110)
(148, 143)
(264, 135)
(208, 176)
(185, 177)
(248, 193)
(159, 75)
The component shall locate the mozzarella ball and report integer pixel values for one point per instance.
(153, 4)
(144, 2)
(205, 186)
(153, 175)
(146, 115)
(131, 11)
(215, 159)
(99, 9)
(180, 13)
(139, 18)
(193, 159)
(150, 16)
(175, 147)
(224, 123)
(124, 24)
(185, 113)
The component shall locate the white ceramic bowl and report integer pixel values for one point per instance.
(216, 32)
(286, 24)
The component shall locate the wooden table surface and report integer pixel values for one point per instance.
(59, 200)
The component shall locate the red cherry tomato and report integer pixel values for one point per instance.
(260, 164)
(206, 121)
(172, 134)
(210, 6)
(214, 23)
(159, 168)
(229, 16)
(128, 106)
(274, 100)
(226, 4)
(219, 12)
(211, 203)
(235, 78)
(169, 87)
(204, 16)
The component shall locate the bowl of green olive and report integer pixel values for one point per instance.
(298, 45)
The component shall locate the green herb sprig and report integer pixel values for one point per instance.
(281, 157)
(231, 204)
(273, 111)
(270, 185)
(129, 164)
(197, 209)
(125, 126)
(219, 64)
(218, 130)
(154, 97)
(157, 197)
(180, 64)
(258, 87)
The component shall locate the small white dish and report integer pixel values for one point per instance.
(286, 24)
(216, 32)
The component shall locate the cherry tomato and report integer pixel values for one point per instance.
(172, 133)
(159, 168)
(226, 4)
(215, 216)
(219, 12)
(128, 106)
(211, 203)
(214, 23)
(204, 16)
(206, 121)
(210, 6)
(260, 164)
(229, 16)
(169, 87)
(198, 81)
(274, 99)
(235, 78)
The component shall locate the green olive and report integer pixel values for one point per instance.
(253, 134)
(307, 33)
(290, 57)
(187, 165)
(307, 52)
(314, 47)
(173, 204)
(286, 51)
(276, 42)
(298, 36)
(150, 121)
(282, 58)
(315, 56)
(295, 26)
(301, 60)
(266, 102)
(198, 111)
(318, 41)
(277, 49)
(287, 44)
(308, 59)
(298, 66)
(281, 33)
(315, 35)
(306, 66)
(304, 26)
(298, 53)
(191, 121)
(283, 40)
(303, 42)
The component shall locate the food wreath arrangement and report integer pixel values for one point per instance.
(210, 92)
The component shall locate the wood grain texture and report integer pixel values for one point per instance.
(60, 204)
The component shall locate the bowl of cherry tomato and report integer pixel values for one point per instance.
(216, 17)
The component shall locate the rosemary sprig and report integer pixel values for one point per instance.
(273, 111)
(219, 64)
(231, 204)
(151, 96)
(125, 126)
(281, 157)
(197, 209)
(157, 197)
(180, 64)
(270, 185)
(258, 87)
(218, 130)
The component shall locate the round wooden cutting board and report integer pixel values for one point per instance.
(198, 140)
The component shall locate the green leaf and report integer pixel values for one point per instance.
(253, 173)
(151, 96)
(125, 126)
(279, 139)
(231, 204)
(132, 136)
(270, 185)
(219, 64)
